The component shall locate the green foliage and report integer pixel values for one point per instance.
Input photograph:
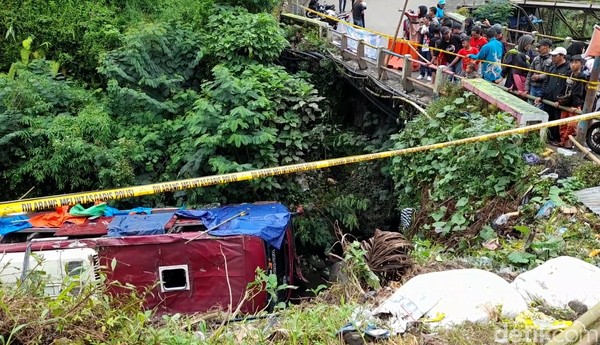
(57, 135)
(253, 6)
(147, 74)
(306, 38)
(152, 80)
(73, 32)
(467, 175)
(357, 267)
(425, 251)
(587, 174)
(28, 54)
(236, 36)
(270, 284)
(315, 229)
(82, 313)
(258, 118)
(189, 12)
(560, 192)
(496, 11)
(346, 208)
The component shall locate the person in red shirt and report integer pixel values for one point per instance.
(464, 53)
(477, 38)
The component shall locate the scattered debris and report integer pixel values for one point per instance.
(538, 320)
(568, 209)
(546, 209)
(503, 219)
(552, 176)
(560, 281)
(388, 254)
(531, 158)
(566, 152)
(444, 299)
(491, 244)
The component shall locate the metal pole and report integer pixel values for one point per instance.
(575, 331)
(590, 96)
(397, 29)
(584, 150)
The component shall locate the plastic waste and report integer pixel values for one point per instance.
(540, 321)
(546, 209)
(553, 176)
(531, 158)
(503, 219)
(566, 152)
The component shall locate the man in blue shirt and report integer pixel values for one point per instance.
(491, 54)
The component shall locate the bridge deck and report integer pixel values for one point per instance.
(524, 113)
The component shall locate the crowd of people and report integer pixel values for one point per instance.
(478, 49)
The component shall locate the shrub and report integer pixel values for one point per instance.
(456, 181)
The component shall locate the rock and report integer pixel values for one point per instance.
(316, 262)
(457, 295)
(353, 338)
(560, 281)
(578, 307)
(337, 274)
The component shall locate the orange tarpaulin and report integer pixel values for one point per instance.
(55, 219)
(594, 47)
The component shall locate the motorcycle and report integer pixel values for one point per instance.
(328, 10)
(592, 137)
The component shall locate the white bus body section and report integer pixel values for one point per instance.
(55, 266)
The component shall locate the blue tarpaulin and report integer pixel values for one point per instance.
(139, 225)
(111, 211)
(267, 221)
(13, 223)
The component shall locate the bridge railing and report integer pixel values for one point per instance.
(443, 73)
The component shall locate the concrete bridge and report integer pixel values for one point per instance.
(394, 75)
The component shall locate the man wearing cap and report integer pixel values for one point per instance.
(447, 47)
(553, 87)
(541, 63)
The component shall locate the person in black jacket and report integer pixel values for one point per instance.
(358, 13)
(449, 43)
(553, 87)
(572, 97)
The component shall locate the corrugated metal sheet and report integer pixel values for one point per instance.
(590, 197)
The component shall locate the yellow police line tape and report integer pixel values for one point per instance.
(51, 202)
(592, 85)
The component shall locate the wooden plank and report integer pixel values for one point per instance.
(522, 111)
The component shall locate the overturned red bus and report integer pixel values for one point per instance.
(190, 260)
